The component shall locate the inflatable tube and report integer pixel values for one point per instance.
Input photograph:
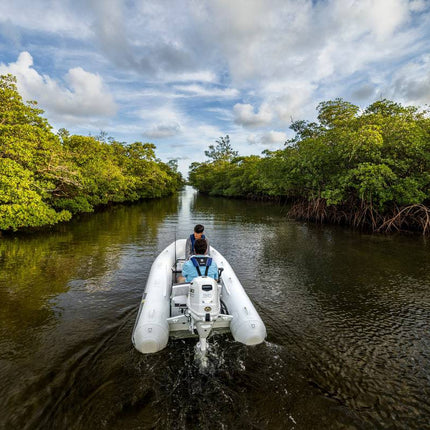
(151, 330)
(246, 327)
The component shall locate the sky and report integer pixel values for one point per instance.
(182, 73)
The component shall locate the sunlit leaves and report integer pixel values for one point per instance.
(20, 203)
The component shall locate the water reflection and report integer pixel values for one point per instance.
(35, 268)
(234, 210)
(57, 288)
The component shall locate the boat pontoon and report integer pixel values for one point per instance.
(200, 308)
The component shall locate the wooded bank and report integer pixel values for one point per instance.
(366, 168)
(46, 178)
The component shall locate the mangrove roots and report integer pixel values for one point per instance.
(364, 215)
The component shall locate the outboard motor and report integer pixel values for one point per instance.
(204, 306)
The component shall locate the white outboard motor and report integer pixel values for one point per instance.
(204, 306)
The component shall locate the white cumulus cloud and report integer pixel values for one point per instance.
(84, 96)
(245, 115)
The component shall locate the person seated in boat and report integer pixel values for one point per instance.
(199, 264)
(198, 234)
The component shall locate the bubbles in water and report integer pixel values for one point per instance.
(210, 360)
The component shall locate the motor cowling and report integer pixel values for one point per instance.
(204, 299)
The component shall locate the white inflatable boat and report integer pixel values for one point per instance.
(197, 309)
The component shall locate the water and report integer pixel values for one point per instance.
(347, 316)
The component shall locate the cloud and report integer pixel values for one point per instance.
(110, 29)
(244, 115)
(200, 91)
(65, 18)
(411, 83)
(84, 96)
(417, 5)
(223, 114)
(252, 139)
(269, 138)
(163, 122)
(283, 101)
(162, 131)
(313, 44)
(206, 76)
(184, 157)
(288, 99)
(364, 92)
(150, 38)
(273, 137)
(164, 114)
(10, 32)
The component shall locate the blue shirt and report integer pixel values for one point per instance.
(189, 271)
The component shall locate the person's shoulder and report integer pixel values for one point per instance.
(187, 264)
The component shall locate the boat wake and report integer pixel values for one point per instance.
(209, 360)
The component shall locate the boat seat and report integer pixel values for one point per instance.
(179, 301)
(180, 290)
(177, 268)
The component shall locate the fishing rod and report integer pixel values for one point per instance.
(176, 267)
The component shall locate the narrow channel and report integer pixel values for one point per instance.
(347, 316)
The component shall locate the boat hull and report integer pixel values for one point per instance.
(154, 324)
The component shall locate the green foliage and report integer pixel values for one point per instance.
(20, 203)
(45, 178)
(377, 158)
(223, 151)
(336, 112)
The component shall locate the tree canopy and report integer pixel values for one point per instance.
(223, 150)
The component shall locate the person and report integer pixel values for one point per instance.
(199, 264)
(189, 244)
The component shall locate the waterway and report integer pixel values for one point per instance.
(347, 316)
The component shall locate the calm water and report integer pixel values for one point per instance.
(347, 316)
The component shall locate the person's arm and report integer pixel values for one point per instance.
(208, 248)
(213, 271)
(186, 271)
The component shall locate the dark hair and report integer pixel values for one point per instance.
(198, 228)
(200, 246)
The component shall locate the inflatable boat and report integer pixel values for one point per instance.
(200, 308)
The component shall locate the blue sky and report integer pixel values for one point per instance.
(182, 73)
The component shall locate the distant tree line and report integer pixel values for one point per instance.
(46, 178)
(366, 168)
